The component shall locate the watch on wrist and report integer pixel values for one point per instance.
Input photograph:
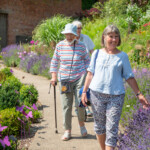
(138, 94)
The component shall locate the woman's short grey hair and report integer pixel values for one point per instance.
(110, 29)
(77, 23)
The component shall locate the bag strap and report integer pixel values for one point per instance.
(72, 57)
(71, 60)
(97, 52)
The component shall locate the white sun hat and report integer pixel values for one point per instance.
(70, 28)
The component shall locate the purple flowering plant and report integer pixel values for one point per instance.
(135, 120)
(4, 141)
(36, 64)
(10, 55)
(137, 133)
(26, 119)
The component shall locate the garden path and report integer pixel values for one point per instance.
(45, 137)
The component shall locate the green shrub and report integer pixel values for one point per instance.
(9, 93)
(28, 95)
(2, 77)
(49, 30)
(36, 115)
(113, 8)
(9, 117)
(7, 71)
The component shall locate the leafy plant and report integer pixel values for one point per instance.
(36, 115)
(134, 13)
(9, 93)
(7, 71)
(49, 30)
(9, 117)
(114, 7)
(28, 95)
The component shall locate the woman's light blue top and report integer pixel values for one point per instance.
(109, 72)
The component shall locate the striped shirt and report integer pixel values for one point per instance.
(73, 61)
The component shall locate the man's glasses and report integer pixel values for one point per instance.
(80, 28)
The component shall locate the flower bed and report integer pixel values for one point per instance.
(17, 109)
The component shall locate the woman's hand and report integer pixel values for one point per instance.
(84, 99)
(144, 101)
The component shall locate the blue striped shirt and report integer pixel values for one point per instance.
(73, 61)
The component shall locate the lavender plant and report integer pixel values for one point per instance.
(10, 55)
(36, 64)
(134, 119)
(137, 134)
(143, 78)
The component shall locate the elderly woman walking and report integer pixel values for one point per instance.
(74, 60)
(107, 69)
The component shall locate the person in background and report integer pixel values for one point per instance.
(89, 47)
(106, 84)
(74, 60)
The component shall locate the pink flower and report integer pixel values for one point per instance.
(2, 128)
(6, 141)
(36, 43)
(0, 84)
(34, 107)
(134, 70)
(20, 56)
(147, 24)
(32, 42)
(29, 115)
(28, 107)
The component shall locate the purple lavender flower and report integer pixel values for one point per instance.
(28, 107)
(144, 70)
(134, 70)
(10, 53)
(20, 108)
(16, 92)
(11, 71)
(34, 107)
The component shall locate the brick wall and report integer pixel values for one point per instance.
(24, 15)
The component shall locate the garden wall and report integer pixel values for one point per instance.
(23, 15)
